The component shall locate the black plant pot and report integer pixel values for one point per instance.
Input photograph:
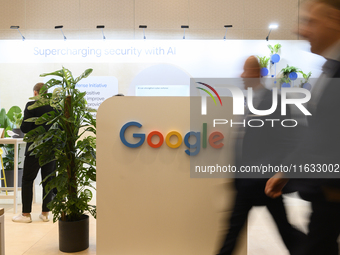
(10, 178)
(19, 132)
(74, 235)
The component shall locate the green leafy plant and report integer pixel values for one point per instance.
(17, 119)
(275, 49)
(288, 69)
(284, 80)
(5, 122)
(64, 143)
(305, 76)
(263, 61)
(8, 160)
(9, 120)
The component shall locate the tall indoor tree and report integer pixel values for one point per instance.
(70, 141)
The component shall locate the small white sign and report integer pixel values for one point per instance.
(162, 90)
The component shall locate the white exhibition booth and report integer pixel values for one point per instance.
(147, 203)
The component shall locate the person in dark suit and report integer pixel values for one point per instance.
(255, 146)
(31, 166)
(321, 142)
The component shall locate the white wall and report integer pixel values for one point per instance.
(21, 64)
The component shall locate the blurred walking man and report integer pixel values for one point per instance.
(321, 143)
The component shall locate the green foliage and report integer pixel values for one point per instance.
(275, 49)
(17, 119)
(263, 61)
(5, 122)
(285, 80)
(12, 112)
(8, 160)
(8, 121)
(285, 73)
(8, 157)
(75, 156)
(11, 119)
(288, 69)
(305, 76)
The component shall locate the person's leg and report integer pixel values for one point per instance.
(31, 169)
(237, 220)
(292, 238)
(324, 229)
(46, 170)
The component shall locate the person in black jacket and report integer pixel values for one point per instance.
(255, 146)
(31, 166)
(321, 143)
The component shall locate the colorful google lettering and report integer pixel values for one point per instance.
(214, 140)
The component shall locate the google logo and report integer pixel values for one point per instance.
(214, 139)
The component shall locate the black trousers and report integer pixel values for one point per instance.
(31, 169)
(243, 203)
(324, 229)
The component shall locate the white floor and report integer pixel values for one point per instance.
(38, 237)
(41, 238)
(263, 237)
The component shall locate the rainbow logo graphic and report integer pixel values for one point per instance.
(212, 89)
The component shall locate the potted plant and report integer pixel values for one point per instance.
(275, 49)
(263, 64)
(17, 120)
(285, 82)
(274, 56)
(75, 155)
(8, 161)
(289, 69)
(11, 119)
(289, 73)
(8, 121)
(305, 84)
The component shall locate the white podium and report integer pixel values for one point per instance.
(147, 203)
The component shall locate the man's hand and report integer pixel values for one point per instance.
(275, 185)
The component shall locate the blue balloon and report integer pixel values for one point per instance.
(293, 76)
(285, 85)
(307, 86)
(275, 58)
(264, 71)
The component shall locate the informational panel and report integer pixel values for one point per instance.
(97, 88)
(147, 204)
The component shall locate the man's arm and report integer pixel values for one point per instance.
(275, 185)
(27, 126)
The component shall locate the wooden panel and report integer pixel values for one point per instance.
(46, 14)
(214, 14)
(259, 14)
(12, 13)
(114, 14)
(161, 14)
